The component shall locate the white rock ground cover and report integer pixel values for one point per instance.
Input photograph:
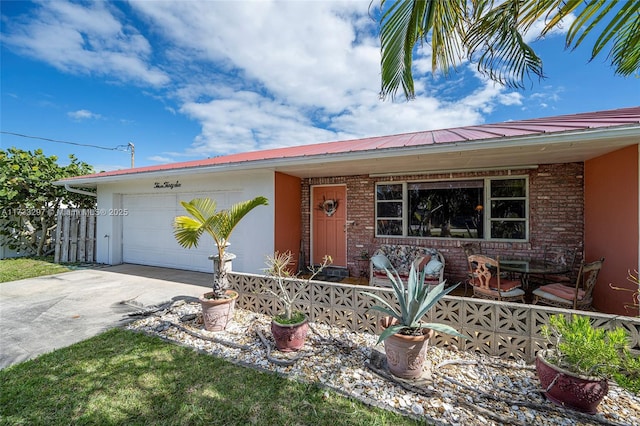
(457, 388)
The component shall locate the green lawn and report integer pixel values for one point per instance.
(23, 267)
(121, 377)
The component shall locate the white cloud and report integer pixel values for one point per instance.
(285, 79)
(276, 46)
(83, 114)
(247, 122)
(254, 74)
(85, 40)
(547, 97)
(161, 159)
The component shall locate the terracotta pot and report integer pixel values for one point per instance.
(581, 393)
(216, 313)
(406, 355)
(290, 337)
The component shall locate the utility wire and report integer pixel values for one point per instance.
(117, 148)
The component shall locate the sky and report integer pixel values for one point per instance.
(187, 80)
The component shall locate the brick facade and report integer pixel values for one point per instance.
(556, 215)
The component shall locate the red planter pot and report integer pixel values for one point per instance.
(290, 337)
(581, 393)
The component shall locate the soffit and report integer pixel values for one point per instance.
(463, 157)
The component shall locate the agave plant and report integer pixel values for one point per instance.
(219, 224)
(415, 300)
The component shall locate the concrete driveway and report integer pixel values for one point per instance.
(39, 315)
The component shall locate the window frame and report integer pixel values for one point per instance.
(487, 220)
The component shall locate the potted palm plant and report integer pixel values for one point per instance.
(290, 327)
(575, 370)
(405, 336)
(217, 305)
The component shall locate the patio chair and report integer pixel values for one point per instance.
(487, 282)
(557, 256)
(578, 296)
(469, 249)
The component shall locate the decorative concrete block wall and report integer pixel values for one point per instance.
(505, 330)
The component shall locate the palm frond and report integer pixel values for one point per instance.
(621, 21)
(625, 53)
(495, 40)
(224, 222)
(622, 32)
(200, 208)
(403, 23)
(187, 231)
(205, 218)
(397, 40)
(490, 33)
(448, 29)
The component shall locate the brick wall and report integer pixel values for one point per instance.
(556, 208)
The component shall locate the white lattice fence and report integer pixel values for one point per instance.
(506, 330)
(75, 235)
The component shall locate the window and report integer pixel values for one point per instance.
(479, 208)
(508, 200)
(389, 208)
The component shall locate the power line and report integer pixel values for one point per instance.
(117, 148)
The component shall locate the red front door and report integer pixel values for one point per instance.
(329, 215)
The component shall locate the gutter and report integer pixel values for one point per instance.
(79, 191)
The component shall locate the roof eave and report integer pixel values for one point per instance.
(585, 135)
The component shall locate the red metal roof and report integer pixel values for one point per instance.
(538, 126)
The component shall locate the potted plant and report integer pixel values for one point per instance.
(290, 327)
(217, 305)
(405, 336)
(575, 370)
(364, 255)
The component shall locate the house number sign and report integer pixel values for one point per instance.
(170, 185)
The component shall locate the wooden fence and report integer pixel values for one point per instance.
(75, 236)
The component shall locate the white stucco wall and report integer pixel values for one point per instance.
(251, 241)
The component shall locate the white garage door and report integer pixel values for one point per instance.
(147, 233)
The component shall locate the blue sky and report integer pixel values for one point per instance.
(191, 79)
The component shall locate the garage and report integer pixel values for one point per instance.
(136, 211)
(147, 231)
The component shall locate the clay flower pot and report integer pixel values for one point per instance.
(216, 313)
(406, 354)
(562, 387)
(290, 337)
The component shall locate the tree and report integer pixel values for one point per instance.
(29, 201)
(219, 224)
(491, 34)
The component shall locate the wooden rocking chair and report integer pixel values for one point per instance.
(487, 282)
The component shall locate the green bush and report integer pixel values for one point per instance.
(586, 350)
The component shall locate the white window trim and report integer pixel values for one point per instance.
(487, 203)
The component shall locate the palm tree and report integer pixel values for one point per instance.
(490, 33)
(218, 224)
